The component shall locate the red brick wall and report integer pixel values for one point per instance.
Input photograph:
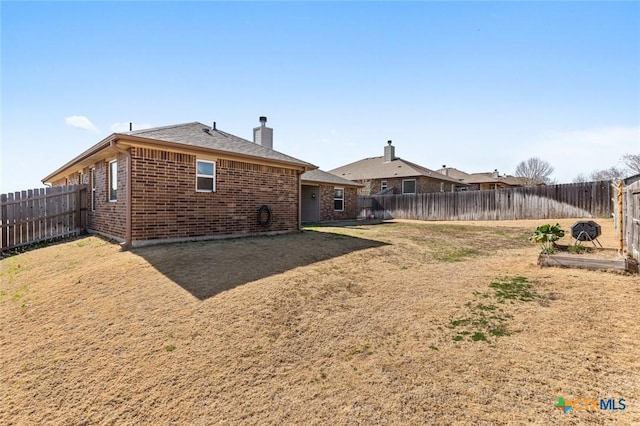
(424, 184)
(108, 217)
(166, 205)
(327, 211)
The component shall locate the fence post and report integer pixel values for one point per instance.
(620, 219)
(4, 222)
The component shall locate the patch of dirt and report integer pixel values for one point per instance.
(336, 325)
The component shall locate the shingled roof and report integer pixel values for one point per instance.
(320, 176)
(377, 168)
(196, 135)
(479, 178)
(203, 136)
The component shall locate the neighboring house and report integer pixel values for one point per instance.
(482, 181)
(392, 175)
(326, 196)
(187, 181)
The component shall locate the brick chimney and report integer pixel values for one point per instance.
(389, 152)
(495, 174)
(263, 135)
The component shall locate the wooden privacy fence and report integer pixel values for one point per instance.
(36, 215)
(631, 217)
(590, 199)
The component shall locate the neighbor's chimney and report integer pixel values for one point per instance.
(495, 174)
(446, 171)
(263, 135)
(389, 152)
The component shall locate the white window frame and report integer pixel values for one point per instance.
(415, 186)
(92, 183)
(336, 198)
(213, 176)
(111, 179)
(383, 185)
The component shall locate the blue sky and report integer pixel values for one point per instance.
(474, 85)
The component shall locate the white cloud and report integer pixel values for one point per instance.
(124, 127)
(81, 122)
(583, 151)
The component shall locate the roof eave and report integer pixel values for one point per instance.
(103, 144)
(124, 138)
(320, 182)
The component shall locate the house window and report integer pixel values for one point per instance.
(338, 199)
(92, 178)
(113, 181)
(409, 186)
(383, 185)
(205, 176)
(441, 186)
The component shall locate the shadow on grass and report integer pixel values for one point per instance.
(208, 268)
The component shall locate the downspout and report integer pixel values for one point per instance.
(300, 200)
(127, 219)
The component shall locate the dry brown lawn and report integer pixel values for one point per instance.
(336, 325)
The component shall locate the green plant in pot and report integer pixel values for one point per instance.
(546, 236)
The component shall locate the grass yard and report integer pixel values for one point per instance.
(397, 323)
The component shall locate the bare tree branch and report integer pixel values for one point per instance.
(580, 178)
(534, 171)
(612, 173)
(632, 161)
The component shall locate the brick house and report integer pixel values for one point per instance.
(186, 181)
(482, 181)
(328, 197)
(393, 175)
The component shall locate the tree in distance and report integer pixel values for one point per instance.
(612, 173)
(534, 171)
(632, 161)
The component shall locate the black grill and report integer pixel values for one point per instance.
(586, 230)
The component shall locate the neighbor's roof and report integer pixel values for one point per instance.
(513, 180)
(319, 176)
(454, 173)
(376, 168)
(194, 135)
(485, 177)
(482, 178)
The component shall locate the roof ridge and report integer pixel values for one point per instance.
(418, 166)
(153, 129)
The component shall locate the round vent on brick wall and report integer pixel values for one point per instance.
(586, 230)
